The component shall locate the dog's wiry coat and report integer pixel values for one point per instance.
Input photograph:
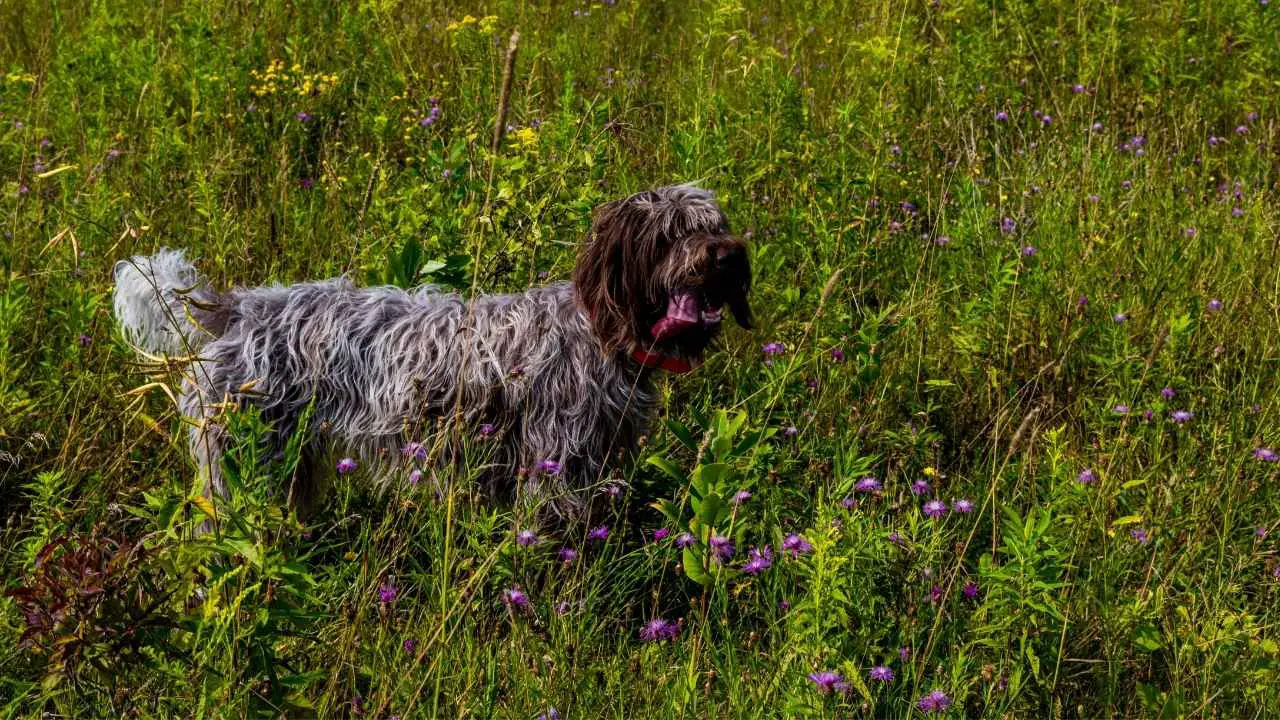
(383, 364)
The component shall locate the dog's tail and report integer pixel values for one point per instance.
(162, 305)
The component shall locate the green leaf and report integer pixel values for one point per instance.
(693, 567)
(666, 466)
(682, 434)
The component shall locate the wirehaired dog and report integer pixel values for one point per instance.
(558, 380)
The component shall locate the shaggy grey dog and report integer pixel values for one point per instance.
(554, 383)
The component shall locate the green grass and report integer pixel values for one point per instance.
(974, 365)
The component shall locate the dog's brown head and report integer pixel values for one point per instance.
(656, 273)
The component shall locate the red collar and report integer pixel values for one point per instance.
(671, 364)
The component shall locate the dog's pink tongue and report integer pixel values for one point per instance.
(682, 314)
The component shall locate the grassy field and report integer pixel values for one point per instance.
(1018, 258)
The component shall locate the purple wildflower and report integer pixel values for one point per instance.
(1181, 416)
(410, 645)
(1086, 477)
(660, 534)
(387, 592)
(867, 484)
(895, 537)
(920, 487)
(1167, 393)
(935, 509)
(1002, 116)
(722, 547)
(1266, 454)
(1007, 225)
(1120, 409)
(740, 497)
(837, 355)
(881, 673)
(904, 653)
(1120, 318)
(773, 348)
(1077, 88)
(303, 117)
(486, 430)
(347, 465)
(796, 545)
(599, 533)
(659, 629)
(963, 505)
(942, 240)
(550, 467)
(970, 590)
(828, 682)
(685, 540)
(550, 714)
(568, 555)
(1214, 305)
(515, 598)
(1237, 212)
(935, 701)
(758, 560)
(1190, 232)
(848, 503)
(1242, 129)
(526, 537)
(415, 477)
(790, 431)
(935, 594)
(1140, 536)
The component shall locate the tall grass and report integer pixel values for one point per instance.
(986, 238)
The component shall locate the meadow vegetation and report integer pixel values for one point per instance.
(1000, 446)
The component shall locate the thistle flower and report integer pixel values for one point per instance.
(790, 431)
(895, 537)
(935, 594)
(1002, 116)
(963, 505)
(347, 465)
(1181, 416)
(486, 430)
(920, 487)
(410, 645)
(303, 117)
(1120, 318)
(1141, 536)
(722, 547)
(773, 348)
(660, 534)
(970, 590)
(796, 545)
(935, 509)
(1214, 305)
(837, 355)
(515, 598)
(387, 592)
(829, 682)
(1167, 393)
(1266, 454)
(867, 484)
(848, 503)
(568, 555)
(600, 533)
(415, 450)
(935, 701)
(758, 560)
(685, 540)
(881, 673)
(1120, 409)
(550, 467)
(526, 537)
(550, 714)
(1077, 88)
(1086, 477)
(1007, 225)
(740, 497)
(904, 653)
(659, 629)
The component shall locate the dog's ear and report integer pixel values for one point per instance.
(612, 273)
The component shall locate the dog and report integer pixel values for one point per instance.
(557, 380)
